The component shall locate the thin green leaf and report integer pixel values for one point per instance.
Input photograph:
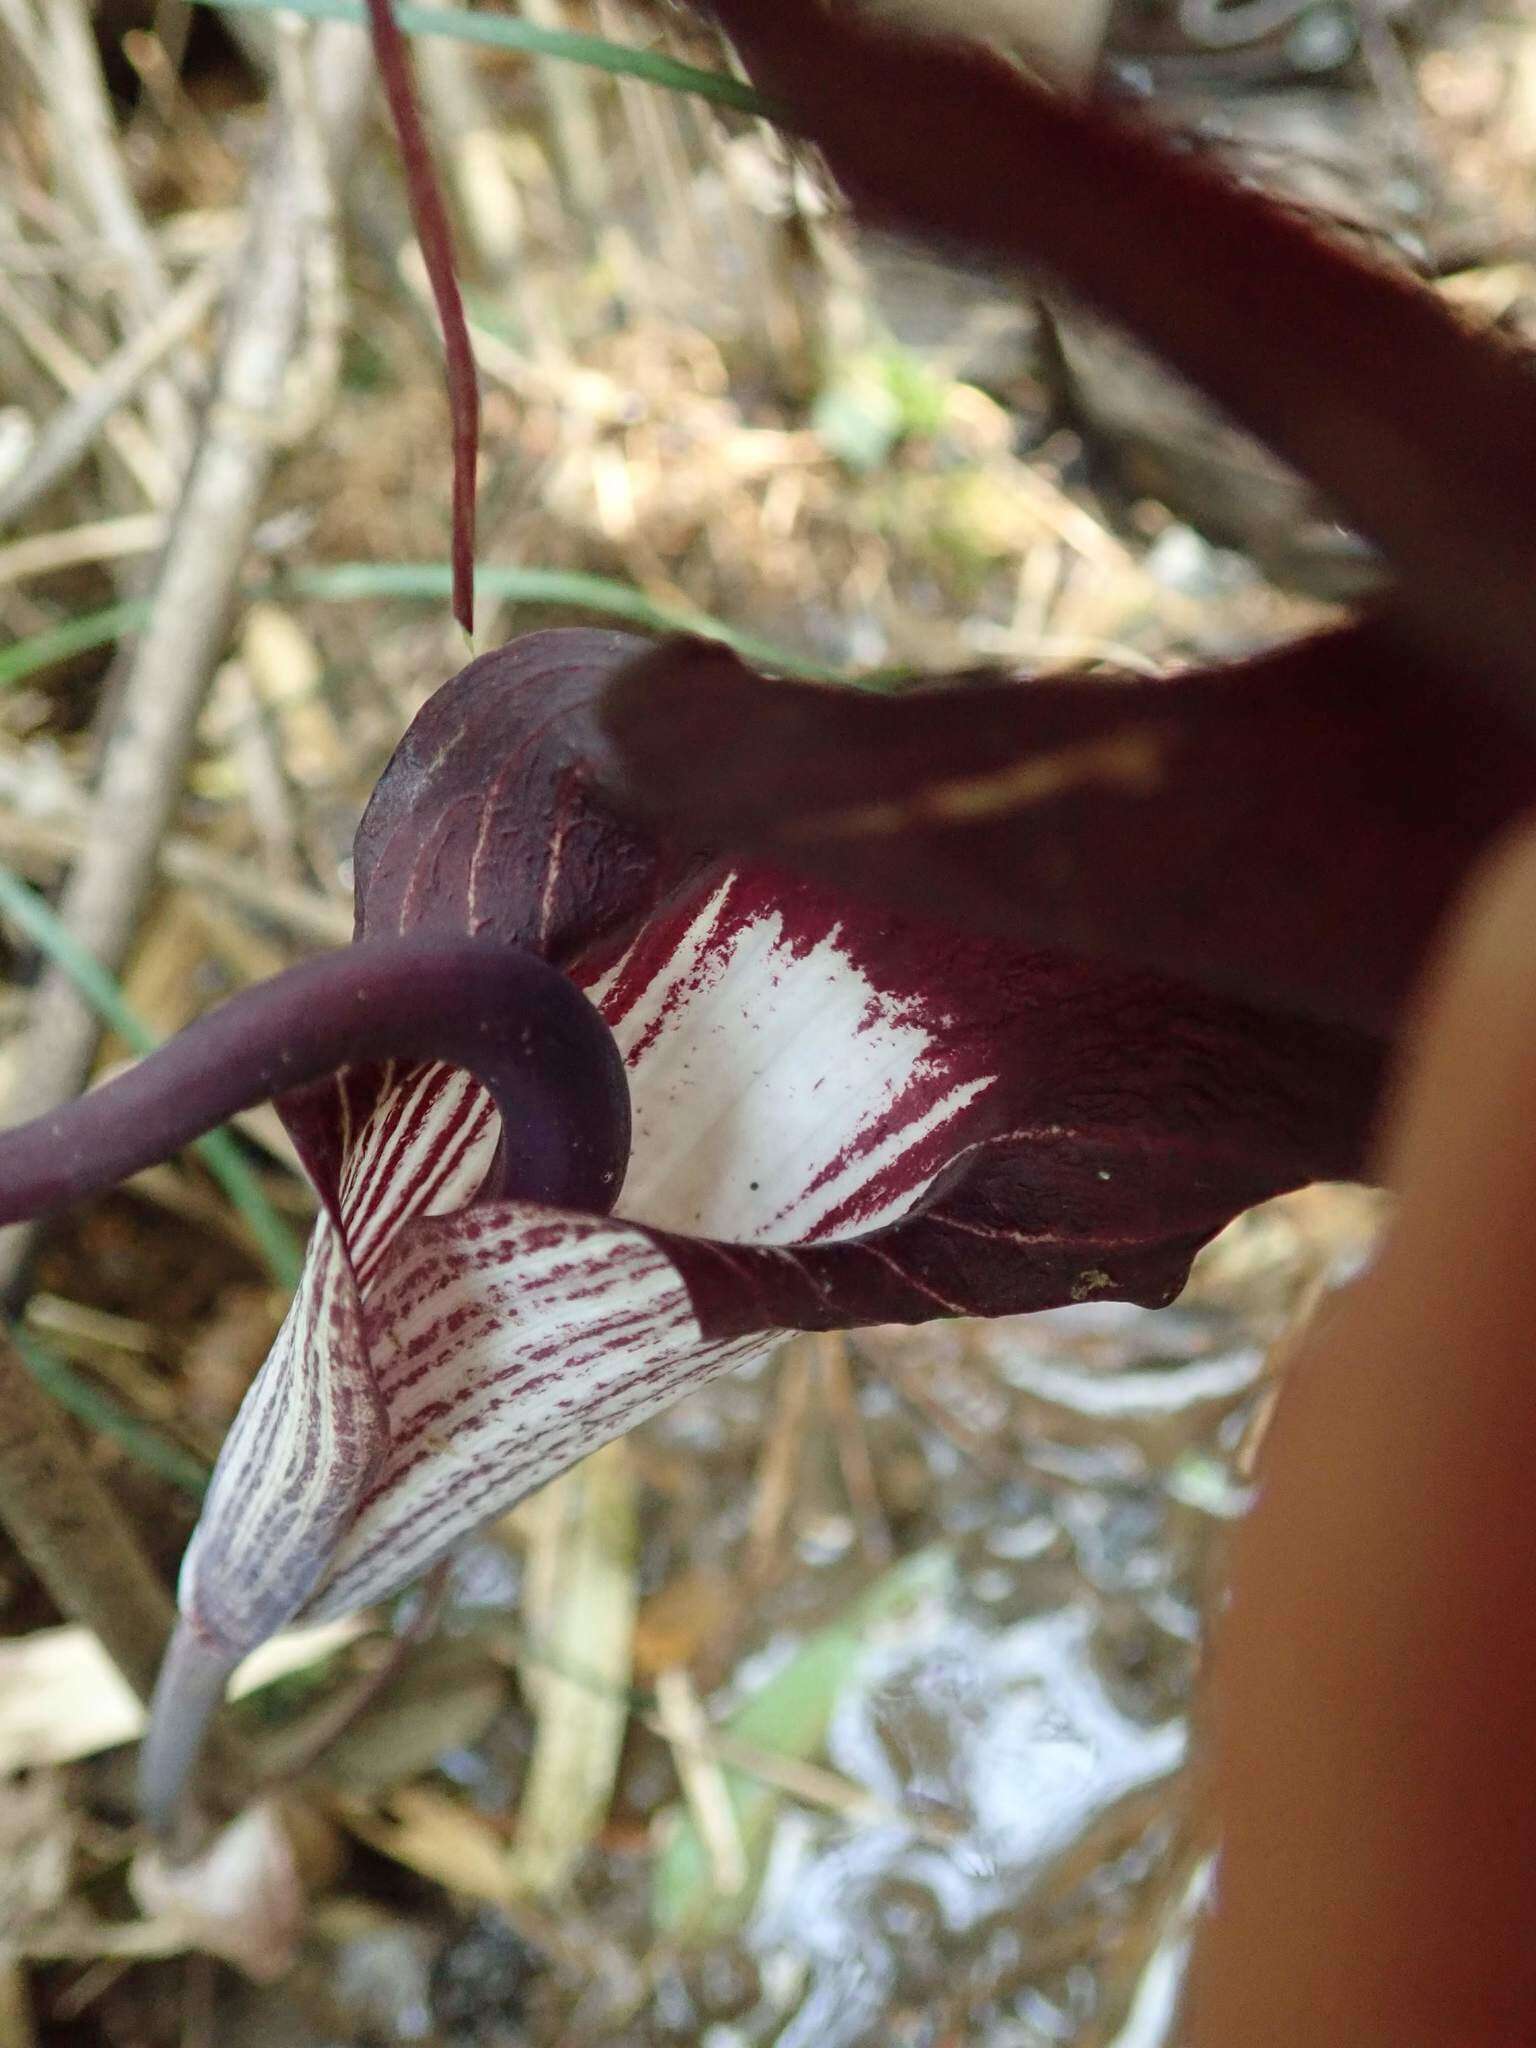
(74, 636)
(347, 581)
(499, 32)
(98, 1411)
(219, 1151)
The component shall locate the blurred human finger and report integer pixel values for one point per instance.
(1373, 1704)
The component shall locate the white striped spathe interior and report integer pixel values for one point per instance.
(777, 1092)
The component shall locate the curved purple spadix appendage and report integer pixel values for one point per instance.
(514, 1022)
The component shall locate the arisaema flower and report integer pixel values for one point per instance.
(591, 1121)
(998, 998)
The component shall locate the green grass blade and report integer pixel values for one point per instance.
(73, 636)
(88, 1403)
(220, 1153)
(502, 32)
(348, 581)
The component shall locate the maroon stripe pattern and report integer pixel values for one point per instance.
(836, 1116)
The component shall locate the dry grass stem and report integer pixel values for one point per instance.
(779, 1466)
(45, 845)
(580, 1602)
(87, 148)
(571, 97)
(127, 437)
(168, 677)
(841, 1399)
(680, 1719)
(67, 438)
(76, 547)
(89, 159)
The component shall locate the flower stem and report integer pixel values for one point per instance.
(189, 1693)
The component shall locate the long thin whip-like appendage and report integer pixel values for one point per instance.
(433, 232)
